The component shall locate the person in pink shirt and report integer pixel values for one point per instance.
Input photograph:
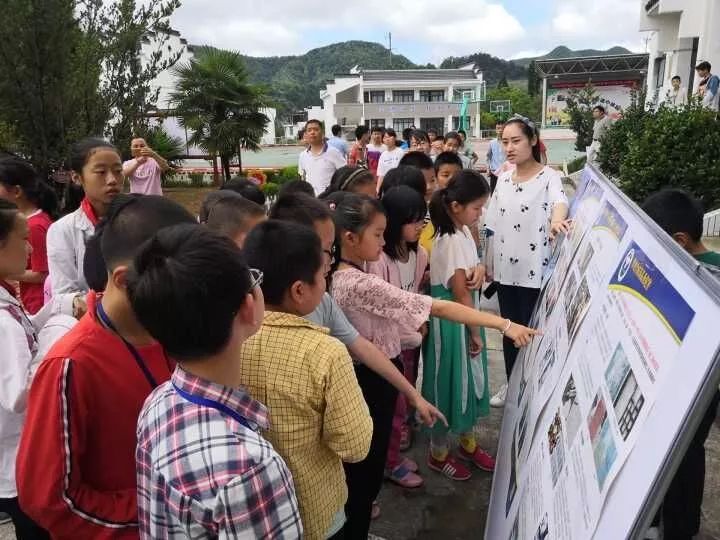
(145, 169)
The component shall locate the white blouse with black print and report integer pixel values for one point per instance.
(519, 216)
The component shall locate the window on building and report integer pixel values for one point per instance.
(399, 124)
(376, 122)
(659, 72)
(432, 95)
(438, 124)
(374, 96)
(403, 96)
(456, 122)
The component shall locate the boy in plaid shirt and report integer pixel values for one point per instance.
(203, 469)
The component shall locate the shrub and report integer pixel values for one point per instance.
(579, 106)
(270, 189)
(197, 180)
(666, 148)
(287, 174)
(576, 164)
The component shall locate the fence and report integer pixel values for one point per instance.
(711, 223)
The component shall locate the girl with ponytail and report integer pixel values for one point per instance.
(37, 202)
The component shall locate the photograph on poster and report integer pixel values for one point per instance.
(548, 361)
(542, 530)
(585, 257)
(624, 391)
(571, 410)
(603, 444)
(522, 426)
(556, 447)
(570, 287)
(512, 483)
(577, 309)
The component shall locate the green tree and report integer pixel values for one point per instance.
(579, 106)
(169, 147)
(533, 80)
(217, 104)
(503, 82)
(520, 102)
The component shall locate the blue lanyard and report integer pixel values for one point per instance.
(199, 400)
(136, 355)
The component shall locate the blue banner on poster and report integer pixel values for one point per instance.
(637, 275)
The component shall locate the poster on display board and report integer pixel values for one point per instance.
(613, 95)
(602, 405)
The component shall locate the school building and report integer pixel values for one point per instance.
(424, 98)
(684, 33)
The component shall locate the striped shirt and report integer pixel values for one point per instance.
(202, 474)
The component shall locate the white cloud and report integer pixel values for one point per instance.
(424, 30)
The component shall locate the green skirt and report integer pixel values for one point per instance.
(451, 378)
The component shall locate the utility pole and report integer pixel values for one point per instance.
(390, 47)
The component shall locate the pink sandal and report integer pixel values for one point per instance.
(404, 477)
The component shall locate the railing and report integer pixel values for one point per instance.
(711, 223)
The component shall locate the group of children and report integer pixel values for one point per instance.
(254, 374)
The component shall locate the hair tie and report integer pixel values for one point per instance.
(353, 175)
(332, 206)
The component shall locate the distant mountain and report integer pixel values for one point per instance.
(295, 81)
(492, 67)
(565, 52)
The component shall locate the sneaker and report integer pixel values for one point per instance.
(405, 437)
(480, 458)
(375, 512)
(498, 400)
(404, 477)
(4, 518)
(410, 464)
(450, 467)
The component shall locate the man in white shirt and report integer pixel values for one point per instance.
(676, 96)
(319, 161)
(601, 125)
(391, 157)
(337, 141)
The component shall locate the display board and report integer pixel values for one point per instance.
(613, 95)
(602, 405)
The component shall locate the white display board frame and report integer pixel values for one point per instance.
(636, 492)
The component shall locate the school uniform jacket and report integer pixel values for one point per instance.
(76, 463)
(66, 239)
(24, 339)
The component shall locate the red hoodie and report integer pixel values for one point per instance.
(76, 462)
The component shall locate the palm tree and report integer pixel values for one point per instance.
(218, 105)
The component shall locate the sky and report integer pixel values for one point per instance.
(423, 30)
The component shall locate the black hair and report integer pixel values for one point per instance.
(447, 158)
(296, 186)
(599, 108)
(360, 131)
(402, 205)
(286, 253)
(82, 150)
(433, 131)
(16, 172)
(377, 129)
(246, 188)
(453, 135)
(420, 135)
(404, 175)
(390, 132)
(676, 211)
(462, 132)
(417, 159)
(132, 219)
(313, 121)
(406, 133)
(499, 122)
(353, 212)
(8, 214)
(227, 213)
(529, 130)
(300, 208)
(346, 178)
(188, 265)
(676, 77)
(464, 187)
(704, 65)
(336, 130)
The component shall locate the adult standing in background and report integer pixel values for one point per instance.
(337, 141)
(145, 169)
(709, 87)
(495, 155)
(601, 125)
(319, 161)
(676, 96)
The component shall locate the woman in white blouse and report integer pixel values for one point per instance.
(526, 211)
